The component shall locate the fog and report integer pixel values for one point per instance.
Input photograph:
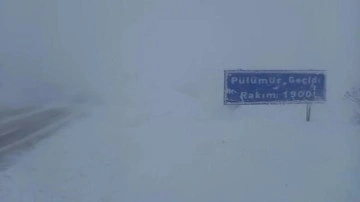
(162, 132)
(121, 50)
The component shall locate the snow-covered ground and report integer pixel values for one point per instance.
(161, 132)
(182, 153)
(177, 142)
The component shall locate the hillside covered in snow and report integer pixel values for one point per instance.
(149, 76)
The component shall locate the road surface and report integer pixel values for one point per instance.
(21, 129)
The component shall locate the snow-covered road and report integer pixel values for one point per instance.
(245, 158)
(162, 133)
(21, 129)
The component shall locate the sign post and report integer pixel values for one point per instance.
(308, 112)
(254, 87)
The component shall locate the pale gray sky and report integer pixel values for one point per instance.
(101, 44)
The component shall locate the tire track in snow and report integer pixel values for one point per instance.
(27, 128)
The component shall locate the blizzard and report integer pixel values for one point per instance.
(263, 153)
(143, 84)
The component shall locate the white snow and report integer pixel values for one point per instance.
(162, 133)
(257, 153)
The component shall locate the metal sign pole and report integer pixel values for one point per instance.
(308, 112)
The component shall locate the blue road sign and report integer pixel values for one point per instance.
(248, 87)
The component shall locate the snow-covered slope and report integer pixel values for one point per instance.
(264, 153)
(162, 133)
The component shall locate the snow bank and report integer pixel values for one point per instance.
(274, 158)
(163, 134)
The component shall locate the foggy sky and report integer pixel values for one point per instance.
(107, 46)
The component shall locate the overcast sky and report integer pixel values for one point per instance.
(101, 45)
